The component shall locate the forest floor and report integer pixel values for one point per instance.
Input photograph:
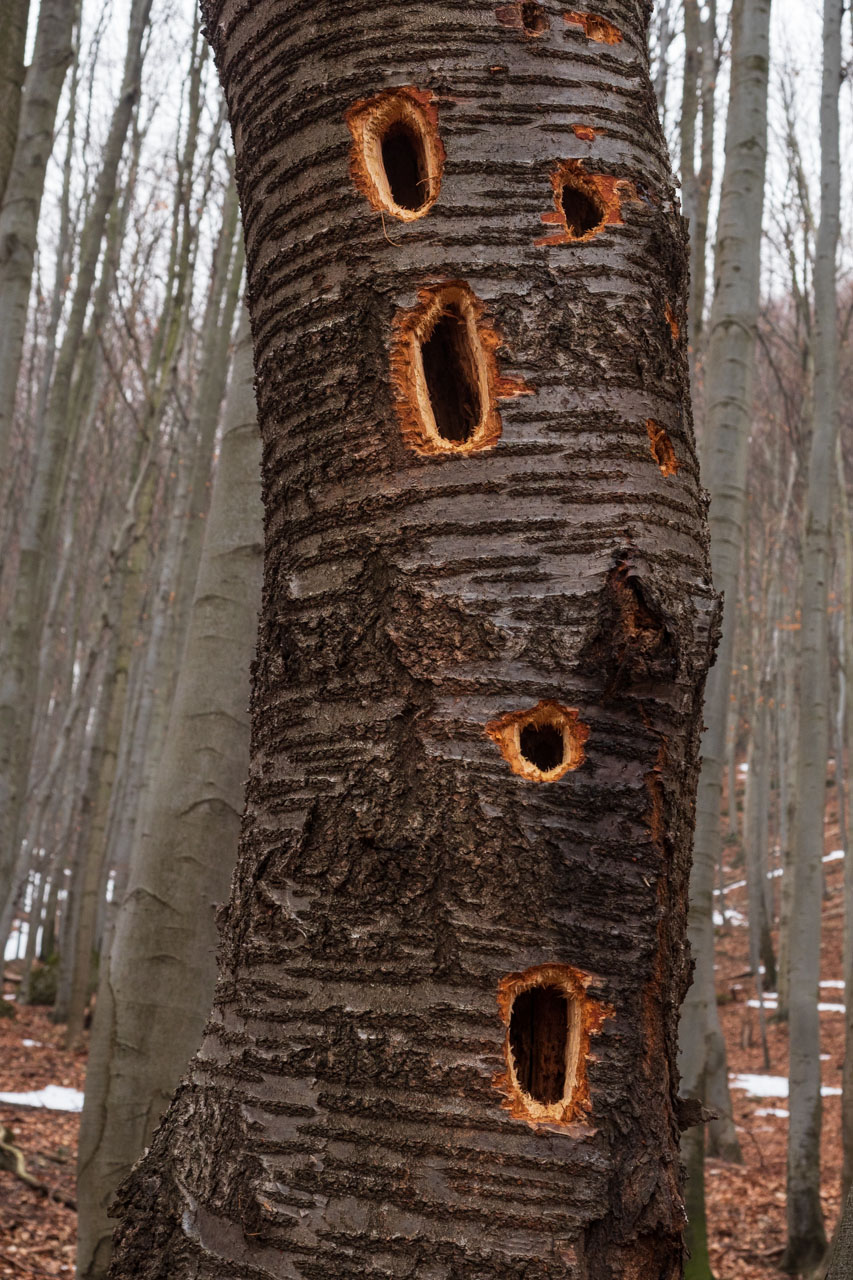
(746, 1202)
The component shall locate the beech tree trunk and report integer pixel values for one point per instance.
(158, 981)
(806, 1236)
(444, 1034)
(728, 382)
(35, 118)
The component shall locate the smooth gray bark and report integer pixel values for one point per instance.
(806, 1235)
(19, 212)
(158, 981)
(731, 343)
(18, 676)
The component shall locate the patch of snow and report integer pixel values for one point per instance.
(826, 1057)
(773, 1111)
(731, 917)
(32, 1044)
(772, 1087)
(55, 1097)
(743, 768)
(831, 1008)
(761, 1086)
(833, 982)
(834, 856)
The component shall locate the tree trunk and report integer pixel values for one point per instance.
(731, 342)
(841, 1262)
(19, 210)
(13, 40)
(444, 1036)
(806, 1237)
(18, 677)
(847, 734)
(151, 1011)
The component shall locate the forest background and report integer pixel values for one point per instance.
(130, 536)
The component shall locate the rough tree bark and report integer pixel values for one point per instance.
(443, 1040)
(731, 341)
(806, 1237)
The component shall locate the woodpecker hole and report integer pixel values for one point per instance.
(661, 447)
(534, 19)
(397, 156)
(582, 208)
(539, 1027)
(404, 161)
(595, 28)
(542, 744)
(452, 376)
(549, 1020)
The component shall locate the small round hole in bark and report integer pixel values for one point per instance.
(542, 746)
(404, 160)
(582, 208)
(534, 19)
(539, 1027)
(451, 376)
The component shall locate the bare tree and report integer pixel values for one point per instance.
(454, 948)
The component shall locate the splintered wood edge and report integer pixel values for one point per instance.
(506, 732)
(586, 1018)
(368, 120)
(661, 447)
(595, 27)
(412, 328)
(608, 193)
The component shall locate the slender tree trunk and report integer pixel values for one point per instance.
(18, 676)
(728, 383)
(150, 1013)
(13, 39)
(806, 1236)
(841, 1262)
(423, 917)
(847, 660)
(19, 210)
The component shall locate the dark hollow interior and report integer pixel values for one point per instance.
(538, 1039)
(542, 745)
(582, 212)
(451, 377)
(405, 165)
(533, 17)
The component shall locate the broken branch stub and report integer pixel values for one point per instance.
(397, 156)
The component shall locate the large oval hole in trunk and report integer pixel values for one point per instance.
(451, 376)
(539, 1041)
(405, 164)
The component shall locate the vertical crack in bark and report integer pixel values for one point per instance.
(549, 1020)
(445, 375)
(397, 156)
(542, 744)
(661, 447)
(584, 203)
(595, 27)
